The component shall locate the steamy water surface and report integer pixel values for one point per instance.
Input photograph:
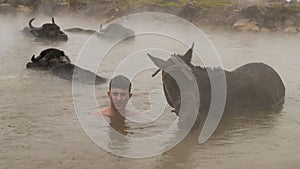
(40, 127)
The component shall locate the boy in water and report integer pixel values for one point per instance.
(119, 94)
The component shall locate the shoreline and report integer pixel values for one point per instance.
(214, 14)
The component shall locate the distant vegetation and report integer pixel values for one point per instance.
(158, 3)
(255, 15)
(177, 3)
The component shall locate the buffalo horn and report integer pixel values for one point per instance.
(188, 55)
(158, 62)
(53, 20)
(155, 73)
(30, 25)
(33, 59)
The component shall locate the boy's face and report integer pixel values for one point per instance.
(119, 98)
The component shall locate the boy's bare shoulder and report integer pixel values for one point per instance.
(104, 112)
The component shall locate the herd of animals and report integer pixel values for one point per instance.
(251, 86)
(55, 60)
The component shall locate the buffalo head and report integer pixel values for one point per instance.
(49, 31)
(56, 62)
(48, 59)
(180, 86)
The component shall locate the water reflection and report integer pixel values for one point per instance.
(117, 123)
(234, 129)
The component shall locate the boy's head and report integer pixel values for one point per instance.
(120, 82)
(119, 92)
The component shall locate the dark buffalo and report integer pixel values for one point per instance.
(49, 31)
(112, 31)
(48, 59)
(59, 64)
(251, 87)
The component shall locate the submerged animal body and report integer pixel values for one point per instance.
(251, 87)
(115, 31)
(59, 64)
(112, 31)
(48, 31)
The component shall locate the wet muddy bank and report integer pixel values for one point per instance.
(220, 14)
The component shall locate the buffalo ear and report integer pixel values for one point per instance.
(158, 62)
(101, 28)
(188, 55)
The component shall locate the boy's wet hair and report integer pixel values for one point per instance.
(120, 82)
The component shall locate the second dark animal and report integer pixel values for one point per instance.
(59, 64)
